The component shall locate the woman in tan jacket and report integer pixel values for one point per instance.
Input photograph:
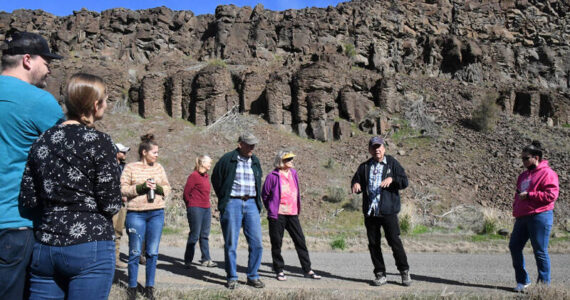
(145, 185)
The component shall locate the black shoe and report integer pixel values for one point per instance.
(131, 293)
(406, 278)
(149, 292)
(256, 283)
(379, 280)
(232, 284)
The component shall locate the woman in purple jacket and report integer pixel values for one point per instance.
(281, 198)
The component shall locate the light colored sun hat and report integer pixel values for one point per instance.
(288, 155)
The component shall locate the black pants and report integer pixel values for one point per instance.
(276, 230)
(392, 231)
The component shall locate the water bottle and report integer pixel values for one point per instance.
(150, 194)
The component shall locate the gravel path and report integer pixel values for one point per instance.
(432, 273)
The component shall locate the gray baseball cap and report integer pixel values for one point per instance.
(375, 141)
(248, 138)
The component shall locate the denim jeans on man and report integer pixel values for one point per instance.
(147, 226)
(199, 219)
(238, 212)
(16, 247)
(536, 227)
(82, 271)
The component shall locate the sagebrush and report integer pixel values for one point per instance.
(485, 115)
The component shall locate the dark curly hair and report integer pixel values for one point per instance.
(147, 141)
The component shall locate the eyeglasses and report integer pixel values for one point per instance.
(525, 158)
(288, 159)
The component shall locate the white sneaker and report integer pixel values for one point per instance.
(521, 287)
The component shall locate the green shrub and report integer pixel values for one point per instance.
(330, 164)
(566, 125)
(171, 230)
(353, 203)
(405, 224)
(490, 221)
(335, 194)
(217, 62)
(484, 117)
(407, 217)
(486, 237)
(349, 50)
(489, 226)
(339, 243)
(420, 229)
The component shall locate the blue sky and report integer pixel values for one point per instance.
(66, 7)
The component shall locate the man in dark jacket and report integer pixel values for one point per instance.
(379, 179)
(121, 216)
(236, 179)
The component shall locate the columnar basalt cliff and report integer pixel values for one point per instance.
(313, 70)
(380, 67)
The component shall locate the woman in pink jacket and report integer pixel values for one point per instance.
(537, 190)
(282, 199)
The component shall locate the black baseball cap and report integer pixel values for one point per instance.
(28, 43)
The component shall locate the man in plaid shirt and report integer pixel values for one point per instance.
(236, 179)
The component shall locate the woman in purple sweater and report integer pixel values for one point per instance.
(282, 200)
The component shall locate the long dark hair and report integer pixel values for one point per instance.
(147, 141)
(534, 149)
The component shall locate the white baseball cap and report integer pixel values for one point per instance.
(122, 148)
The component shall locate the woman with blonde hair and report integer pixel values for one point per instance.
(282, 199)
(146, 186)
(72, 182)
(197, 199)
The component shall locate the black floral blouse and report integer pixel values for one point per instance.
(72, 184)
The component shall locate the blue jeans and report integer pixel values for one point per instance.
(15, 254)
(82, 271)
(537, 228)
(199, 221)
(240, 212)
(144, 226)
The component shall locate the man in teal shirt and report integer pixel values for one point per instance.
(26, 111)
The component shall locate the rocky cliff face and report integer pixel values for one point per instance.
(315, 71)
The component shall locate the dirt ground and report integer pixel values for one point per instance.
(347, 275)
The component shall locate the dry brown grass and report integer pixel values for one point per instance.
(543, 292)
(245, 293)
(535, 292)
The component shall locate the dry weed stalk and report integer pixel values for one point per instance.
(230, 123)
(416, 114)
(423, 200)
(121, 105)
